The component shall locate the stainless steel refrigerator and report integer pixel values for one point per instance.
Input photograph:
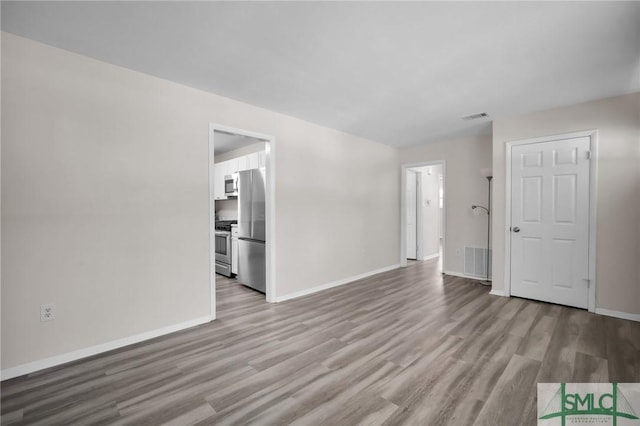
(251, 229)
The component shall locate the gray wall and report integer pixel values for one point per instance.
(105, 201)
(465, 186)
(618, 219)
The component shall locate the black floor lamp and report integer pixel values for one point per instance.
(488, 173)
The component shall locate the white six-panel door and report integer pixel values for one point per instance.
(550, 221)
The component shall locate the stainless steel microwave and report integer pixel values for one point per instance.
(231, 185)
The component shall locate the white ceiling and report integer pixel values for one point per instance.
(398, 73)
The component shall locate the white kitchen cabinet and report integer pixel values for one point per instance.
(232, 166)
(252, 161)
(219, 170)
(262, 159)
(243, 163)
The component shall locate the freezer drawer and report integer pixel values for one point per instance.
(252, 264)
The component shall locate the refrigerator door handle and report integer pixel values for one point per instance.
(251, 198)
(244, 205)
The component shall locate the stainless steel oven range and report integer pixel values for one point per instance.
(223, 247)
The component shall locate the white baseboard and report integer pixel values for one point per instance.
(343, 281)
(431, 256)
(618, 314)
(498, 293)
(30, 367)
(472, 277)
(463, 275)
(456, 274)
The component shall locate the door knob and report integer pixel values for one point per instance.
(516, 229)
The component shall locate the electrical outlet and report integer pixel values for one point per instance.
(47, 312)
(458, 253)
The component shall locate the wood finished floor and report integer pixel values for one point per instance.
(403, 347)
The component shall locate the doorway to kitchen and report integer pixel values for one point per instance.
(241, 216)
(423, 218)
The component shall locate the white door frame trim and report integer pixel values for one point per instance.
(419, 218)
(419, 225)
(593, 193)
(269, 213)
(403, 208)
